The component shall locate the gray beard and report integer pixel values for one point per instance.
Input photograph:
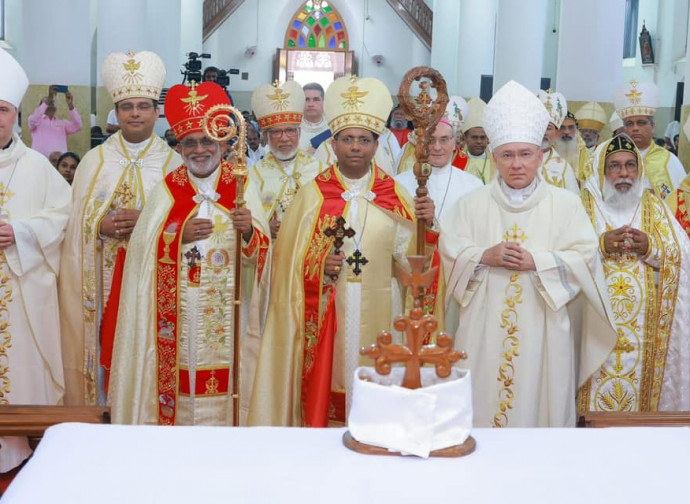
(623, 201)
(568, 150)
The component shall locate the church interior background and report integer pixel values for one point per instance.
(582, 48)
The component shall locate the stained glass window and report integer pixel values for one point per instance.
(316, 25)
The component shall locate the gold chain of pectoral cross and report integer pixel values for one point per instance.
(6, 194)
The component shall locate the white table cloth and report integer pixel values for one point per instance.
(99, 464)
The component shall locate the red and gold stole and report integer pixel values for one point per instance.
(460, 159)
(320, 321)
(682, 211)
(168, 254)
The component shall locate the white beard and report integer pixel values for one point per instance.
(623, 202)
(285, 157)
(203, 169)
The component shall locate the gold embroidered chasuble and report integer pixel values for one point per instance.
(557, 171)
(520, 329)
(663, 169)
(650, 296)
(364, 304)
(35, 200)
(106, 180)
(276, 186)
(205, 316)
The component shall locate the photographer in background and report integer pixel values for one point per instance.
(49, 133)
(212, 73)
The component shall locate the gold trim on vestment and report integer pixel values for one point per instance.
(5, 335)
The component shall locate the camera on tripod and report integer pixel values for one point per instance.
(223, 77)
(192, 68)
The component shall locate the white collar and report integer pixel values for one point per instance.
(518, 196)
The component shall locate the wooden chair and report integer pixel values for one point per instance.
(658, 419)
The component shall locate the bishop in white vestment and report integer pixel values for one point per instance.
(646, 256)
(517, 253)
(34, 207)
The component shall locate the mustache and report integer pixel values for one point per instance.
(624, 181)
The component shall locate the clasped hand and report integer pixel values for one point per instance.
(626, 240)
(119, 224)
(508, 255)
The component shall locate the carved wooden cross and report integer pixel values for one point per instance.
(193, 255)
(338, 233)
(416, 325)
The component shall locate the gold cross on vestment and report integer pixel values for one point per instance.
(124, 194)
(622, 346)
(515, 234)
(5, 194)
(416, 326)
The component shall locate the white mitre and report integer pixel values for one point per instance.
(555, 104)
(13, 79)
(515, 114)
(456, 112)
(591, 116)
(133, 75)
(411, 421)
(615, 121)
(476, 115)
(636, 99)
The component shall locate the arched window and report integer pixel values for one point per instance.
(316, 25)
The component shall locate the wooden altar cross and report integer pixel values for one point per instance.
(416, 325)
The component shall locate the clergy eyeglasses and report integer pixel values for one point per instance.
(190, 143)
(289, 132)
(444, 140)
(616, 167)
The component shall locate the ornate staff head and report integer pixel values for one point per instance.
(424, 112)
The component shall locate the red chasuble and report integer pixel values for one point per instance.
(319, 311)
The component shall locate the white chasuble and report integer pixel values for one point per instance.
(520, 328)
(110, 177)
(35, 200)
(649, 368)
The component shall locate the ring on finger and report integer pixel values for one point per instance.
(505, 257)
(336, 269)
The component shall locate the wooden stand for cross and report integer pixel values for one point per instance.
(413, 355)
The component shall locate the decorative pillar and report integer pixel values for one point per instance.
(519, 51)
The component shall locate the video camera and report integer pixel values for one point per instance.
(223, 78)
(192, 68)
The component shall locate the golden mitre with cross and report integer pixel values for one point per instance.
(636, 99)
(278, 104)
(133, 75)
(351, 102)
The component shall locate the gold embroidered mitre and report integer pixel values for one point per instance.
(357, 103)
(591, 116)
(555, 104)
(278, 104)
(475, 116)
(133, 75)
(637, 99)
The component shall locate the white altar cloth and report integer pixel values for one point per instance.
(84, 463)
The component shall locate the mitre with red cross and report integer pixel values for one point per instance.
(276, 104)
(186, 105)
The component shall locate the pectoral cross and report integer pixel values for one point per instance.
(358, 259)
(124, 194)
(192, 255)
(416, 326)
(338, 233)
(622, 346)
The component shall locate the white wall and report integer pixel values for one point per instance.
(373, 28)
(590, 68)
